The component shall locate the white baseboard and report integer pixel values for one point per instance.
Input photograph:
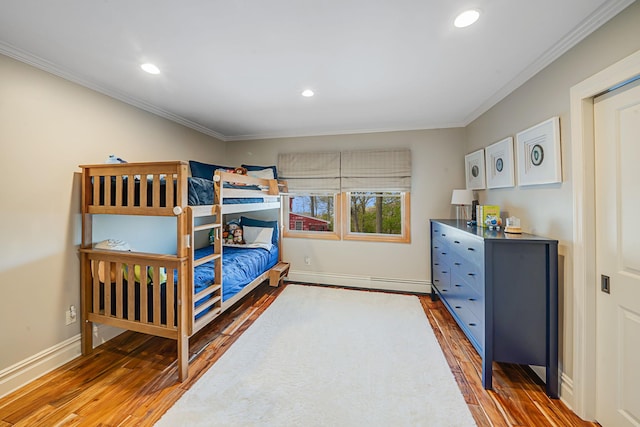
(32, 368)
(566, 391)
(382, 283)
(24, 372)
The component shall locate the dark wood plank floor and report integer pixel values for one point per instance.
(131, 380)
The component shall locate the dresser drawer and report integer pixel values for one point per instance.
(475, 303)
(440, 251)
(471, 275)
(441, 278)
(474, 326)
(465, 288)
(467, 320)
(472, 250)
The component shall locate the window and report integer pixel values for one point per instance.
(356, 195)
(379, 216)
(311, 215)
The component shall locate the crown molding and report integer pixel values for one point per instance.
(49, 67)
(276, 135)
(594, 21)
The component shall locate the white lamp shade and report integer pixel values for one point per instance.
(462, 197)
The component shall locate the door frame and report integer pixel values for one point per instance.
(584, 227)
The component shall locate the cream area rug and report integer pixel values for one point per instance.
(329, 357)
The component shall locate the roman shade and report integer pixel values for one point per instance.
(311, 171)
(376, 170)
(335, 172)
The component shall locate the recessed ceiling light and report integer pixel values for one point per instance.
(466, 18)
(150, 68)
(307, 93)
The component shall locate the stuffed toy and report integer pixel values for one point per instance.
(229, 238)
(240, 170)
(237, 236)
(232, 226)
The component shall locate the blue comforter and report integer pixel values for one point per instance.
(240, 266)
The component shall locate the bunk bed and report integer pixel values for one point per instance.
(173, 295)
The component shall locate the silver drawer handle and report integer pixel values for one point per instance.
(472, 299)
(456, 241)
(472, 324)
(456, 263)
(471, 274)
(470, 249)
(457, 286)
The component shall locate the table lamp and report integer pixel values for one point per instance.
(462, 199)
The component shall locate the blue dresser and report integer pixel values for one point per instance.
(502, 290)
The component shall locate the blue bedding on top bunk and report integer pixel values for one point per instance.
(240, 266)
(201, 192)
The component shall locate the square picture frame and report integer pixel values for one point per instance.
(499, 164)
(539, 155)
(474, 170)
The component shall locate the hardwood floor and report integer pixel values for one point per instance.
(132, 380)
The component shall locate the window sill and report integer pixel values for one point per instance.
(311, 235)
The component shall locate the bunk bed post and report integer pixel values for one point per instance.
(184, 277)
(183, 336)
(86, 327)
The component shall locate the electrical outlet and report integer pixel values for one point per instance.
(307, 260)
(71, 316)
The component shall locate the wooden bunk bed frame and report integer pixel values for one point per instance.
(97, 299)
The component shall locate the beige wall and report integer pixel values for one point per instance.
(437, 169)
(548, 209)
(49, 126)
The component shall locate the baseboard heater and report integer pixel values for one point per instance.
(366, 282)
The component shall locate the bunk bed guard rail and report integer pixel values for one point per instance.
(135, 188)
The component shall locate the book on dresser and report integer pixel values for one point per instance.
(502, 290)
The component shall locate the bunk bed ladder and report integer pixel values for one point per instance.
(211, 296)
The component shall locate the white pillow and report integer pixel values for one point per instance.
(257, 234)
(263, 173)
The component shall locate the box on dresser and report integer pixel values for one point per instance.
(502, 290)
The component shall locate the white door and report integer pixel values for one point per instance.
(617, 154)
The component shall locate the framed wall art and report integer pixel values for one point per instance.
(474, 170)
(538, 152)
(499, 164)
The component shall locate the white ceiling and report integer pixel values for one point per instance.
(234, 69)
